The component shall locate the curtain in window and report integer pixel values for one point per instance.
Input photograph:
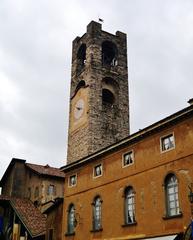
(97, 214)
(172, 200)
(71, 219)
(129, 205)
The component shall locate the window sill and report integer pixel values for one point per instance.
(174, 216)
(69, 234)
(96, 230)
(129, 224)
(167, 150)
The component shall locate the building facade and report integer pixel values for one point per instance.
(41, 184)
(54, 220)
(135, 189)
(31, 201)
(121, 186)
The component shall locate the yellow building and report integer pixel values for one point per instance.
(121, 186)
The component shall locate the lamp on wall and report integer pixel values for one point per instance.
(189, 231)
(77, 219)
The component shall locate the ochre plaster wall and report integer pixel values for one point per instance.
(54, 220)
(146, 176)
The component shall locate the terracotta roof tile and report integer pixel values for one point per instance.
(46, 170)
(31, 217)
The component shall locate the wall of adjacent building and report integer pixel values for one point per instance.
(54, 223)
(42, 183)
(21, 182)
(14, 183)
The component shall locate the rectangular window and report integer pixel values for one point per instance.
(51, 190)
(167, 142)
(72, 180)
(128, 158)
(97, 171)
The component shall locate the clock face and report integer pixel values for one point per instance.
(79, 108)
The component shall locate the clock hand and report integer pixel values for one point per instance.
(78, 108)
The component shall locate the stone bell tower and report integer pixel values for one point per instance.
(99, 107)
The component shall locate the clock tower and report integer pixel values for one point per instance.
(99, 107)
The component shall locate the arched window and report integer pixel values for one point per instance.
(129, 205)
(107, 97)
(97, 211)
(71, 219)
(109, 53)
(81, 57)
(109, 91)
(81, 84)
(171, 192)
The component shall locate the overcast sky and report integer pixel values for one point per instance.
(35, 59)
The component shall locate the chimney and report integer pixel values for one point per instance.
(190, 101)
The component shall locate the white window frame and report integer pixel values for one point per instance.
(123, 159)
(94, 168)
(69, 182)
(172, 196)
(165, 137)
(97, 214)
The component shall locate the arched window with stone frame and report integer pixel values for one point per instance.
(81, 58)
(109, 54)
(129, 202)
(110, 89)
(97, 213)
(71, 222)
(171, 195)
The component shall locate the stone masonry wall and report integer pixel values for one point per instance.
(106, 125)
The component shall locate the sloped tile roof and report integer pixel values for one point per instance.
(31, 217)
(46, 170)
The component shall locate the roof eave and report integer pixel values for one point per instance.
(43, 174)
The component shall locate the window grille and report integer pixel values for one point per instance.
(172, 200)
(129, 206)
(71, 219)
(97, 224)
